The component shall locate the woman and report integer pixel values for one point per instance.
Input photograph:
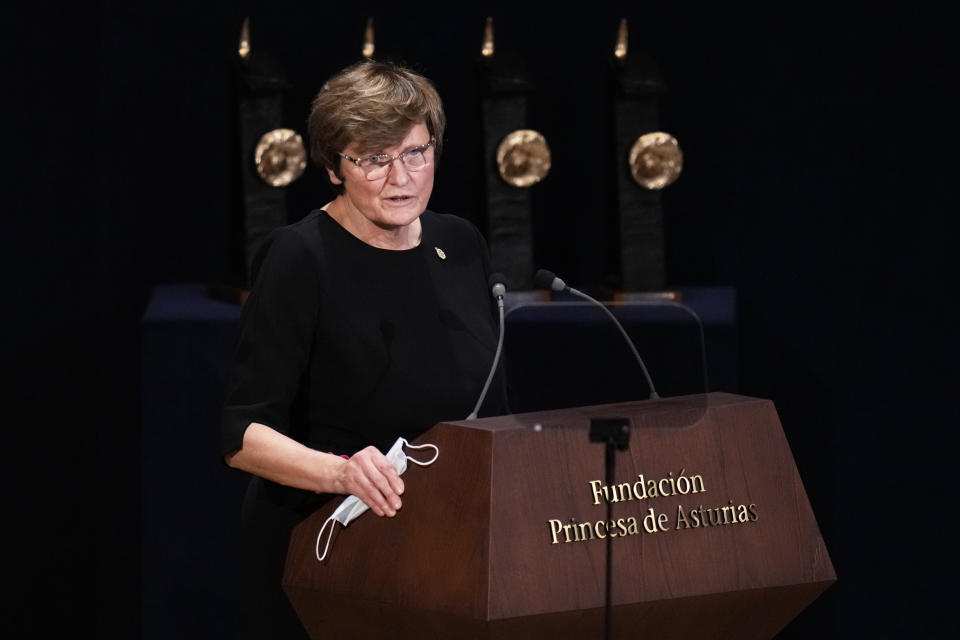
(368, 320)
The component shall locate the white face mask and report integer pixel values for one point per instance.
(353, 506)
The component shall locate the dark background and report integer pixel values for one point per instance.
(819, 165)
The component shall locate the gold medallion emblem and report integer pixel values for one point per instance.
(280, 157)
(655, 160)
(523, 158)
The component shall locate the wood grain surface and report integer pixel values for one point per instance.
(473, 553)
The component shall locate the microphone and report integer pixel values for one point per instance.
(544, 279)
(498, 289)
(548, 280)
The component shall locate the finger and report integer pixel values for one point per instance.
(373, 498)
(378, 470)
(385, 484)
(357, 482)
(390, 473)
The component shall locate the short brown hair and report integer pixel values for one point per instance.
(372, 104)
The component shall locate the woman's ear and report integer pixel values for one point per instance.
(333, 177)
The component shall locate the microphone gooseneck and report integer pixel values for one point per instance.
(498, 289)
(548, 280)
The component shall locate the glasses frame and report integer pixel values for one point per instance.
(388, 160)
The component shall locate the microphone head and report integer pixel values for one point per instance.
(496, 282)
(544, 279)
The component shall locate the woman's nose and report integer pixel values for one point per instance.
(398, 173)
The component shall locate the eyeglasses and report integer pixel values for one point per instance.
(378, 165)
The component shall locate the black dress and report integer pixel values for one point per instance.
(344, 345)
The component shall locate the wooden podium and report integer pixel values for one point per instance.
(505, 535)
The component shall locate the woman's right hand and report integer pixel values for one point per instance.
(370, 476)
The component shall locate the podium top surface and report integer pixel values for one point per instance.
(675, 412)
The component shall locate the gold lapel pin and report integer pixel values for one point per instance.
(440, 253)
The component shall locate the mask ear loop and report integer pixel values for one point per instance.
(332, 524)
(436, 453)
(332, 521)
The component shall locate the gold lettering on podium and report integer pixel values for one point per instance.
(643, 488)
(651, 520)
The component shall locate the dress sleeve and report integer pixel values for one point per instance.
(276, 335)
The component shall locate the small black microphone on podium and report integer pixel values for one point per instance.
(544, 279)
(498, 289)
